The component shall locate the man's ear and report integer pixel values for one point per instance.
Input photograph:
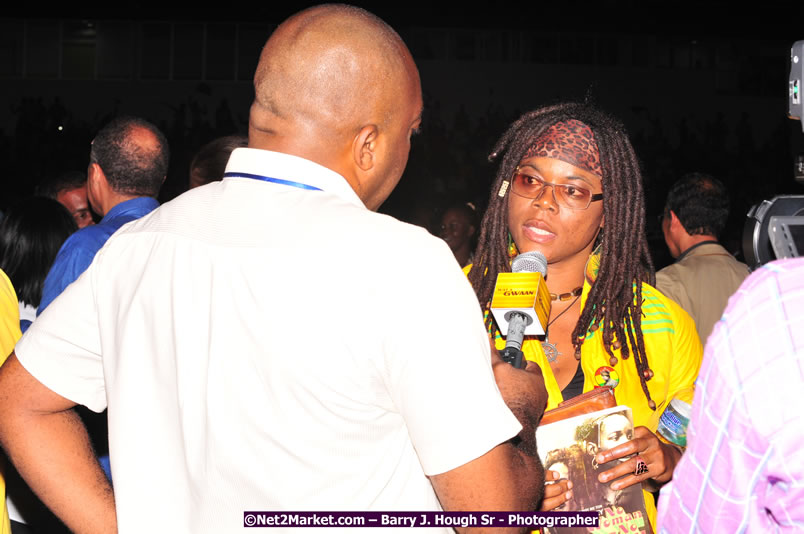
(364, 148)
(95, 175)
(675, 223)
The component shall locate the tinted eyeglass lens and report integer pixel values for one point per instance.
(568, 196)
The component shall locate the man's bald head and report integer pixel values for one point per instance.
(323, 66)
(326, 73)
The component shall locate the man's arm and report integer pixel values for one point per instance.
(48, 444)
(511, 473)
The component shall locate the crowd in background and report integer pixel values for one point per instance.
(448, 161)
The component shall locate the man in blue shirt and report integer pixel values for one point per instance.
(127, 164)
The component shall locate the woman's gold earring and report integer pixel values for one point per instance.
(512, 251)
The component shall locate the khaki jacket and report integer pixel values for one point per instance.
(701, 282)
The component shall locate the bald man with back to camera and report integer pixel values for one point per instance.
(269, 342)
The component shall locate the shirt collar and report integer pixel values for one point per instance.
(133, 205)
(689, 251)
(292, 168)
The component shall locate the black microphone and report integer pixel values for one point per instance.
(521, 304)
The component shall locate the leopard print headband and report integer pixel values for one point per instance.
(571, 141)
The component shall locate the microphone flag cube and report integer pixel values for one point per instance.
(525, 293)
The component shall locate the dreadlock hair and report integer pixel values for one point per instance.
(616, 296)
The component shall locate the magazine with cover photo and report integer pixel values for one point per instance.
(569, 446)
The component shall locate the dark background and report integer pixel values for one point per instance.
(699, 86)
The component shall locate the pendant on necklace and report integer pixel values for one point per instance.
(550, 350)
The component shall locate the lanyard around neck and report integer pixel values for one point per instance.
(270, 179)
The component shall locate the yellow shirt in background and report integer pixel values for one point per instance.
(9, 334)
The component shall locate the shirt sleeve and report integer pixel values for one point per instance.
(439, 369)
(62, 347)
(743, 470)
(687, 352)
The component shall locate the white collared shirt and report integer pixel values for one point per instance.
(266, 347)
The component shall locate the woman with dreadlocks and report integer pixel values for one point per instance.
(569, 186)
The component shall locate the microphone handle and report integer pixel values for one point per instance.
(512, 353)
(513, 356)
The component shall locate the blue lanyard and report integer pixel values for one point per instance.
(269, 179)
